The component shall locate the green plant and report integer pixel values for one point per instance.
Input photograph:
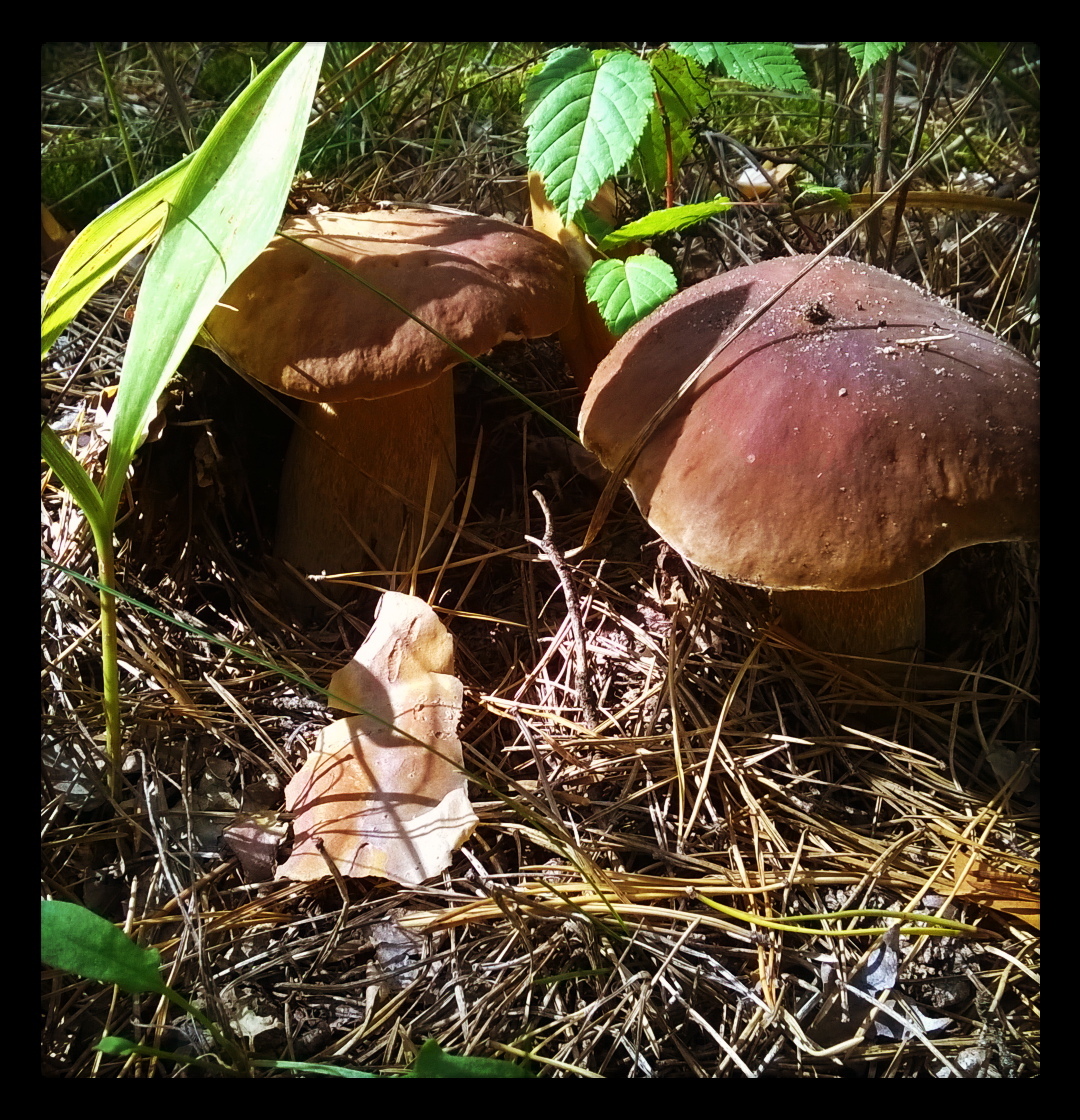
(210, 215)
(591, 115)
(77, 940)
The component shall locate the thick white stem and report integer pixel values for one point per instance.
(365, 483)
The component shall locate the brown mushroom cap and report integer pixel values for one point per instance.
(297, 324)
(850, 439)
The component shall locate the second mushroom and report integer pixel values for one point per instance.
(851, 438)
(370, 472)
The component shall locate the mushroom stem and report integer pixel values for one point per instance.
(381, 472)
(887, 622)
(585, 340)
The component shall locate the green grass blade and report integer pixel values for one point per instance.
(78, 940)
(315, 1068)
(75, 479)
(225, 211)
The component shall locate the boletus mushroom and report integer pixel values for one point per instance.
(846, 442)
(370, 471)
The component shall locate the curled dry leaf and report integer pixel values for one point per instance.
(379, 802)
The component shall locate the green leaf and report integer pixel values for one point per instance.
(74, 477)
(586, 112)
(626, 291)
(683, 87)
(764, 65)
(103, 248)
(432, 1061)
(77, 940)
(665, 221)
(592, 224)
(833, 194)
(312, 1067)
(117, 1047)
(866, 55)
(224, 213)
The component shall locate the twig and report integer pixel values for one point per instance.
(582, 676)
(343, 890)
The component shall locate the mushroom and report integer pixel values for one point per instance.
(846, 442)
(373, 457)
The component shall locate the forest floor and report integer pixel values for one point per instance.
(728, 763)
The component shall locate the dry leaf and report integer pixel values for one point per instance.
(254, 838)
(379, 803)
(1001, 890)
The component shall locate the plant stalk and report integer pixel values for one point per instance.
(110, 664)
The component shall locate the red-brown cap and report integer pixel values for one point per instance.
(851, 438)
(302, 326)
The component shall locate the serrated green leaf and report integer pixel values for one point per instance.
(78, 940)
(626, 291)
(866, 55)
(764, 65)
(586, 113)
(224, 212)
(432, 1061)
(592, 224)
(665, 221)
(683, 87)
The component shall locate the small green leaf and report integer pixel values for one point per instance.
(433, 1062)
(866, 55)
(832, 194)
(665, 221)
(77, 940)
(764, 65)
(626, 291)
(116, 1047)
(592, 224)
(586, 112)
